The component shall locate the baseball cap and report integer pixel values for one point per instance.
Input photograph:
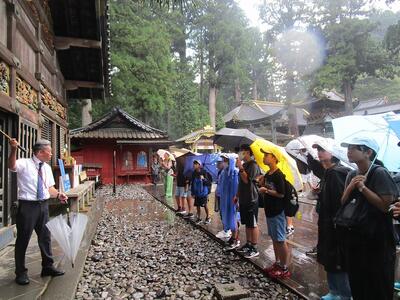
(362, 141)
(324, 144)
(197, 162)
(224, 156)
(271, 151)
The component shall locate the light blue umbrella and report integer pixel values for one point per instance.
(383, 128)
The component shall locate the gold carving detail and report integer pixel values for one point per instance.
(4, 78)
(51, 102)
(26, 94)
(47, 31)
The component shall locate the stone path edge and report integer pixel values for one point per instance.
(64, 287)
(211, 235)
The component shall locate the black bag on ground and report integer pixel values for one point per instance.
(354, 213)
(291, 199)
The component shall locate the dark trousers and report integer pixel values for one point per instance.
(371, 269)
(32, 215)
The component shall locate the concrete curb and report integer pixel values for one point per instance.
(211, 235)
(64, 287)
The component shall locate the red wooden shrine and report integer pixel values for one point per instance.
(133, 142)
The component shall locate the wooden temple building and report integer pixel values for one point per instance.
(267, 119)
(198, 141)
(279, 123)
(119, 135)
(50, 52)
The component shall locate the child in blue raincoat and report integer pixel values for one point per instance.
(229, 182)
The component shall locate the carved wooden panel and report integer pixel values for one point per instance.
(25, 94)
(3, 23)
(47, 32)
(31, 27)
(25, 53)
(51, 102)
(4, 78)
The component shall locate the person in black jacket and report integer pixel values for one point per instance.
(369, 244)
(328, 248)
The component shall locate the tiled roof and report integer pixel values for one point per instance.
(371, 103)
(193, 137)
(253, 110)
(130, 128)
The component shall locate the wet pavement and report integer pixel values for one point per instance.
(308, 277)
(8, 288)
(143, 251)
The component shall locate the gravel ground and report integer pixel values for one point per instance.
(142, 251)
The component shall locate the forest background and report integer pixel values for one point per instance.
(179, 68)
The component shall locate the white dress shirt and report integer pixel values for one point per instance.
(27, 178)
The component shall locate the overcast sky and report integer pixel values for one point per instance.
(251, 10)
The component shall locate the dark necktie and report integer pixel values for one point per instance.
(40, 190)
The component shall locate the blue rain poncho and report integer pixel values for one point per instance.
(228, 186)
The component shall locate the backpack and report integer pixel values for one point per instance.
(291, 200)
(200, 189)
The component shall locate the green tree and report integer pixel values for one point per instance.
(188, 112)
(219, 36)
(141, 52)
(352, 53)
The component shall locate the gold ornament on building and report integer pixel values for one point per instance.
(26, 94)
(51, 102)
(4, 78)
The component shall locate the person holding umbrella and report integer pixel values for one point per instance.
(35, 186)
(366, 224)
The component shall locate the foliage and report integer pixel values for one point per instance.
(351, 53)
(372, 88)
(143, 85)
(188, 112)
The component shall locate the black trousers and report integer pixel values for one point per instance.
(371, 268)
(32, 215)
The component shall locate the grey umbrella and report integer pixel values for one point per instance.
(230, 138)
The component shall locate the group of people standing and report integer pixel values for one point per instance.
(356, 209)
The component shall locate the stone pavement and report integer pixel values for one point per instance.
(8, 288)
(308, 277)
(62, 287)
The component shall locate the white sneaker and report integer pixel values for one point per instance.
(223, 235)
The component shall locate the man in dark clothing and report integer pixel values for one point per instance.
(180, 192)
(248, 199)
(328, 248)
(201, 187)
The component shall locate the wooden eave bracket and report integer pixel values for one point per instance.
(64, 43)
(71, 85)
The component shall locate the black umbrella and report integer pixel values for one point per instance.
(230, 138)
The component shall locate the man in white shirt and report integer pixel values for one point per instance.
(35, 186)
